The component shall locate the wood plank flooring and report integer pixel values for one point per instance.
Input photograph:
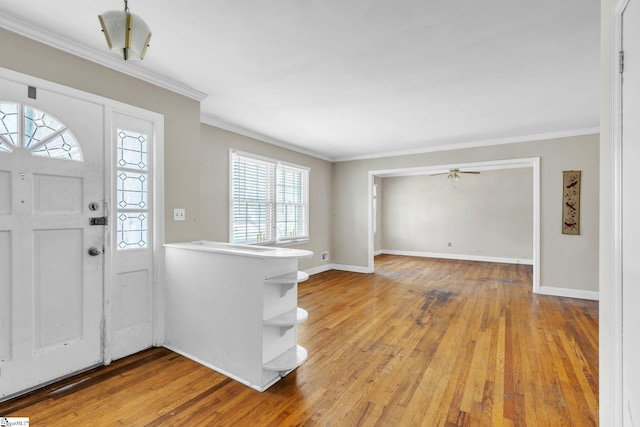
(422, 342)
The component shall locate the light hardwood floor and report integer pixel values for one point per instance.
(420, 342)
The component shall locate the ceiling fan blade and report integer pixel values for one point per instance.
(474, 172)
(442, 173)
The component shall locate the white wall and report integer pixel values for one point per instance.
(486, 215)
(567, 262)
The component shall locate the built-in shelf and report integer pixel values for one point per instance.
(290, 318)
(247, 288)
(287, 361)
(289, 278)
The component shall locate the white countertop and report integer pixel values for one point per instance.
(242, 250)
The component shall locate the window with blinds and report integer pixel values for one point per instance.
(269, 200)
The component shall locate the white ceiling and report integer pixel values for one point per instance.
(357, 78)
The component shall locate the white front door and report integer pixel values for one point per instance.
(631, 214)
(51, 262)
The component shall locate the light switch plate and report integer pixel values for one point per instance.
(179, 214)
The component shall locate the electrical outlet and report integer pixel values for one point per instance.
(324, 256)
(179, 214)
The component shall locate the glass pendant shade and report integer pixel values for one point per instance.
(127, 34)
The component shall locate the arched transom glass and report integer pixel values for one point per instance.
(27, 128)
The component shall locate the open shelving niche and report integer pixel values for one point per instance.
(281, 312)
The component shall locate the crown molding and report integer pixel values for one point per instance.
(56, 41)
(476, 144)
(223, 124)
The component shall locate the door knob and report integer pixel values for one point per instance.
(93, 251)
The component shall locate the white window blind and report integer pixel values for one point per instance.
(269, 200)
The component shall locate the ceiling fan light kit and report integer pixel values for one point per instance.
(453, 176)
(126, 34)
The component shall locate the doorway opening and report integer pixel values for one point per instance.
(375, 204)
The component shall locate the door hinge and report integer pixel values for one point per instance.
(621, 61)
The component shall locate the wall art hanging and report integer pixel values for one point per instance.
(571, 202)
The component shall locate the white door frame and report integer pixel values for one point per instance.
(616, 363)
(111, 106)
(533, 162)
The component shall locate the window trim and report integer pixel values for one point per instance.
(304, 237)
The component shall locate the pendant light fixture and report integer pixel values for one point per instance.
(127, 34)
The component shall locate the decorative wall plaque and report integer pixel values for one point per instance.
(571, 202)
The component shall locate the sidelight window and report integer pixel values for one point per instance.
(132, 204)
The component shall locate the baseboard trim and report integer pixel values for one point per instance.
(459, 257)
(351, 268)
(378, 252)
(570, 293)
(319, 269)
(341, 267)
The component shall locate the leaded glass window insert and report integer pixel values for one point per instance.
(132, 150)
(43, 135)
(38, 126)
(132, 190)
(62, 146)
(132, 230)
(8, 127)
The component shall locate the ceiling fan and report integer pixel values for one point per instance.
(454, 175)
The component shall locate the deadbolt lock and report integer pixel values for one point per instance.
(101, 220)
